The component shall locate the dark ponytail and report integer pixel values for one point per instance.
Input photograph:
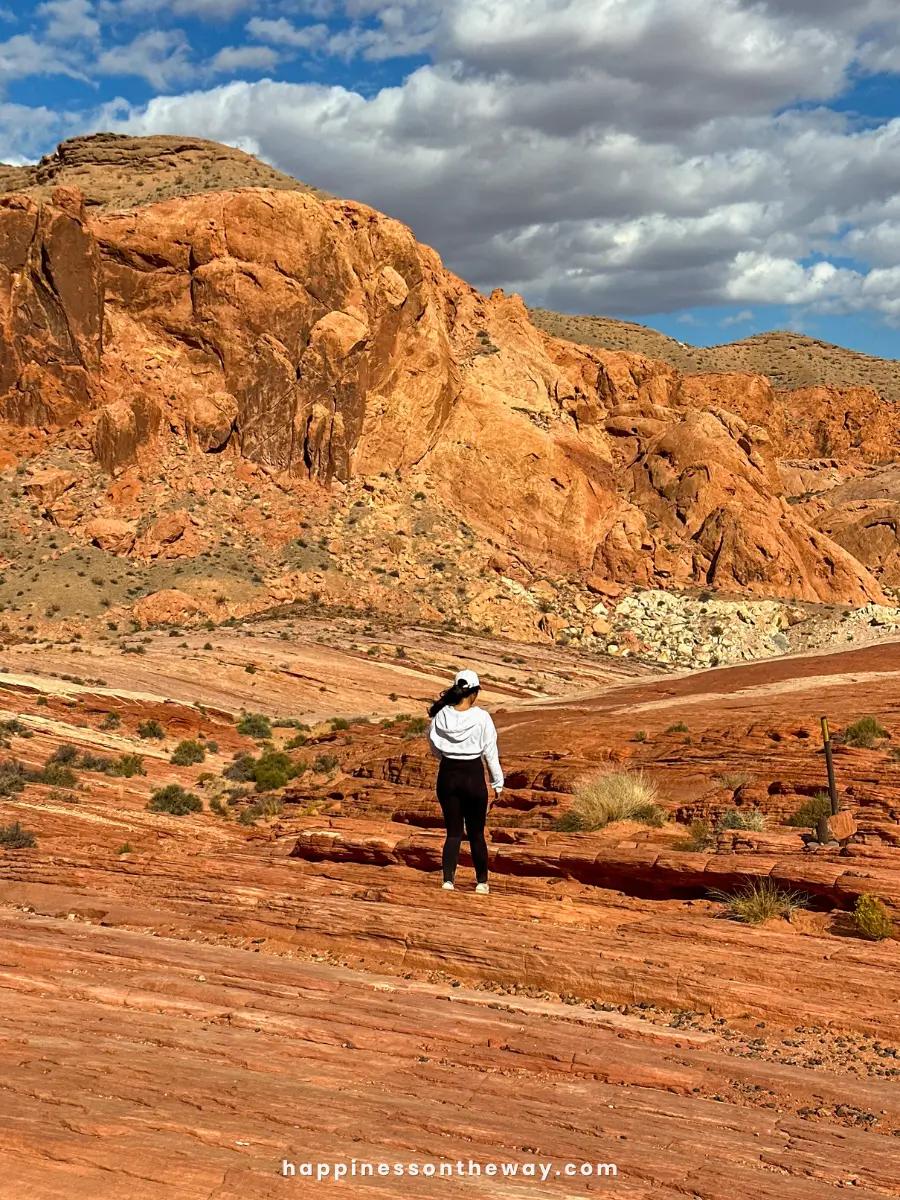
(453, 695)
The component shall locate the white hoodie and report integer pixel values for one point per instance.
(469, 734)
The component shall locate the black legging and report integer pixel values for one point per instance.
(463, 795)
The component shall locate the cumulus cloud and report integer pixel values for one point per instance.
(243, 58)
(740, 318)
(69, 20)
(162, 57)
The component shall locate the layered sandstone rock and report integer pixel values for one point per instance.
(320, 341)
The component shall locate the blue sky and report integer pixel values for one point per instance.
(715, 168)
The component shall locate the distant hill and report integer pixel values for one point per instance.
(117, 172)
(790, 360)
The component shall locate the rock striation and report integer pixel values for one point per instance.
(316, 339)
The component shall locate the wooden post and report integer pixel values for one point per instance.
(829, 762)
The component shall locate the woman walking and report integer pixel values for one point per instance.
(461, 736)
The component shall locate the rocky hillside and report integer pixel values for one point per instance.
(788, 360)
(224, 401)
(114, 171)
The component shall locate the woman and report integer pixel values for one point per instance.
(461, 735)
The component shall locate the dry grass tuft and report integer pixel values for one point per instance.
(760, 901)
(614, 796)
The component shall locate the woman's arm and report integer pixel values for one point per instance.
(435, 752)
(490, 755)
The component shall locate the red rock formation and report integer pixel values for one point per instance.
(320, 340)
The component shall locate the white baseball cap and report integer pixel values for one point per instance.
(468, 679)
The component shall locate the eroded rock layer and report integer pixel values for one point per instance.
(317, 339)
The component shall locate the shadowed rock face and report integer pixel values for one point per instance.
(319, 340)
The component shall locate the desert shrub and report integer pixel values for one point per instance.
(274, 770)
(187, 753)
(151, 729)
(701, 835)
(112, 720)
(324, 764)
(56, 797)
(640, 736)
(759, 901)
(125, 848)
(264, 808)
(872, 919)
(338, 723)
(416, 727)
(742, 818)
(57, 775)
(255, 725)
(212, 747)
(863, 733)
(240, 769)
(66, 753)
(219, 807)
(13, 776)
(733, 780)
(126, 766)
(175, 801)
(16, 837)
(679, 727)
(811, 811)
(94, 762)
(296, 742)
(614, 796)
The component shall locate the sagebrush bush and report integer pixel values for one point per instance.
(13, 776)
(16, 837)
(759, 901)
(324, 764)
(66, 753)
(678, 727)
(187, 753)
(126, 766)
(742, 818)
(615, 796)
(863, 733)
(263, 809)
(175, 801)
(701, 835)
(255, 725)
(811, 812)
(151, 729)
(112, 720)
(57, 775)
(272, 770)
(872, 919)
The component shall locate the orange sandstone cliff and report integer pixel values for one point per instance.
(319, 340)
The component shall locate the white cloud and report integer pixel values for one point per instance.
(213, 10)
(69, 20)
(21, 57)
(24, 132)
(162, 57)
(231, 59)
(740, 318)
(282, 32)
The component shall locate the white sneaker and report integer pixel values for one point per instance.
(448, 885)
(482, 889)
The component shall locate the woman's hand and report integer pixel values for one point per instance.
(495, 797)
